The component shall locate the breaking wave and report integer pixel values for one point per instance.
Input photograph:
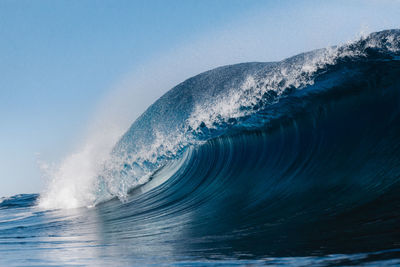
(292, 162)
(226, 101)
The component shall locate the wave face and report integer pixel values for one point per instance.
(293, 162)
(236, 99)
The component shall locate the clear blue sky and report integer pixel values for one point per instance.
(60, 59)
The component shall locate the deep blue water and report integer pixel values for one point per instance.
(285, 163)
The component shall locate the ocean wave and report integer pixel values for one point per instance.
(228, 99)
(286, 163)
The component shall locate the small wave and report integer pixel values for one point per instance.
(18, 201)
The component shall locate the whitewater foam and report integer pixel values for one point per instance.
(296, 72)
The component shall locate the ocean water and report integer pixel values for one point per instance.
(294, 162)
